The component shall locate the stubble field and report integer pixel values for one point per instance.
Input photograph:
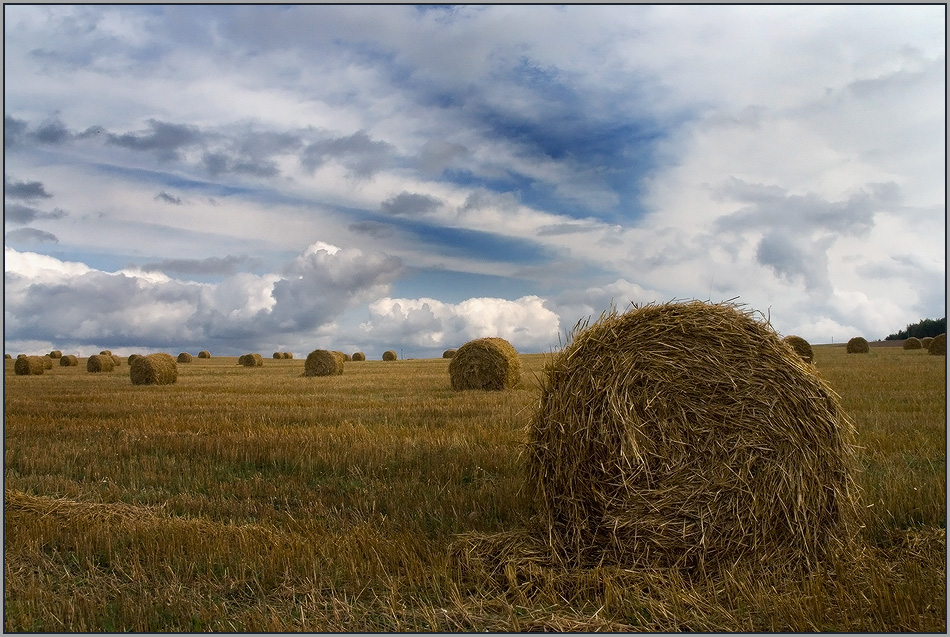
(255, 499)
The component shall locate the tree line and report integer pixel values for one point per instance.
(925, 327)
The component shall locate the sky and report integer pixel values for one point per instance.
(255, 178)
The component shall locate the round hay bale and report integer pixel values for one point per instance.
(449, 353)
(926, 341)
(801, 347)
(29, 366)
(117, 360)
(688, 435)
(185, 357)
(251, 360)
(105, 352)
(347, 357)
(204, 354)
(389, 355)
(154, 369)
(56, 354)
(21, 355)
(912, 343)
(858, 345)
(288, 355)
(69, 360)
(485, 363)
(47, 362)
(100, 363)
(132, 358)
(278, 354)
(359, 356)
(6, 356)
(938, 346)
(321, 362)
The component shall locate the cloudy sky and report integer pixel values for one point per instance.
(261, 178)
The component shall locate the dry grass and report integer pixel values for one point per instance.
(248, 502)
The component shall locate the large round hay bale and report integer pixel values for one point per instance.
(688, 435)
(185, 357)
(359, 356)
(485, 363)
(912, 343)
(449, 353)
(858, 345)
(100, 363)
(926, 341)
(801, 347)
(29, 365)
(389, 355)
(69, 360)
(321, 362)
(154, 369)
(56, 354)
(938, 346)
(251, 360)
(204, 354)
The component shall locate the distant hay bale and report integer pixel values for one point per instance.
(801, 347)
(185, 357)
(6, 356)
(347, 357)
(389, 355)
(56, 354)
(912, 343)
(69, 360)
(204, 354)
(21, 355)
(485, 363)
(117, 360)
(449, 353)
(278, 354)
(926, 341)
(100, 363)
(687, 435)
(251, 360)
(359, 356)
(858, 345)
(29, 366)
(288, 355)
(938, 346)
(321, 362)
(132, 358)
(154, 369)
(105, 352)
(47, 362)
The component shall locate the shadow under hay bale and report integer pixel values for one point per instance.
(485, 363)
(858, 345)
(69, 360)
(801, 347)
(100, 363)
(938, 346)
(29, 366)
(321, 362)
(389, 355)
(154, 369)
(687, 435)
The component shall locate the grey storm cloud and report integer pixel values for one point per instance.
(16, 132)
(774, 207)
(220, 163)
(375, 229)
(211, 265)
(793, 259)
(437, 154)
(411, 204)
(22, 214)
(30, 235)
(167, 198)
(162, 137)
(358, 152)
(13, 131)
(24, 190)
